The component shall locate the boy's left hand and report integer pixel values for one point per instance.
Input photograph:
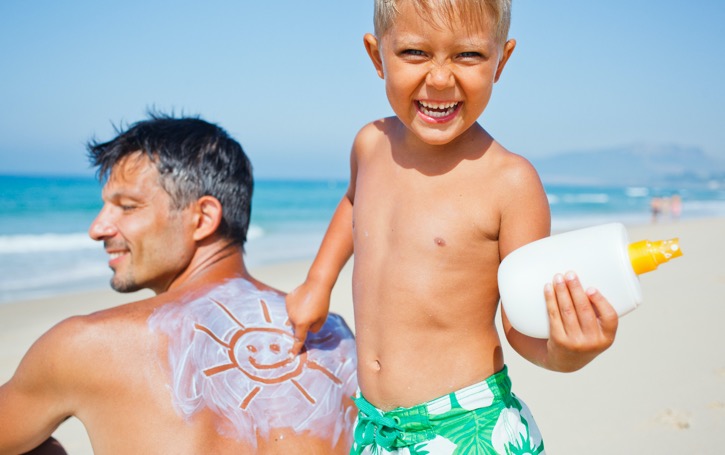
(582, 323)
(307, 308)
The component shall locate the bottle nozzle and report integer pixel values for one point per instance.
(647, 255)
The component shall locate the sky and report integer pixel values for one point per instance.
(291, 81)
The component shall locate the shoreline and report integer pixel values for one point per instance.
(659, 389)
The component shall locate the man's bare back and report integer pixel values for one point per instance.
(176, 374)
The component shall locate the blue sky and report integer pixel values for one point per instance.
(291, 80)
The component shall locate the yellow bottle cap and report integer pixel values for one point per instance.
(647, 255)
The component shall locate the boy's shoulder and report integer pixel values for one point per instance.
(378, 128)
(374, 136)
(507, 163)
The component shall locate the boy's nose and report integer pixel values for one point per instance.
(440, 77)
(101, 228)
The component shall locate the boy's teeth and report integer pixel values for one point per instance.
(437, 109)
(432, 105)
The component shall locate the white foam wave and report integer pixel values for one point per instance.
(58, 278)
(13, 244)
(254, 232)
(637, 191)
(586, 198)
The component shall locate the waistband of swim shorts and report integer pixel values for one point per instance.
(479, 395)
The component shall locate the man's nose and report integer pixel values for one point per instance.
(102, 227)
(440, 76)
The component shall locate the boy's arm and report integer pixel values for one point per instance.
(33, 403)
(308, 305)
(582, 323)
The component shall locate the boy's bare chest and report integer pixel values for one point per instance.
(424, 211)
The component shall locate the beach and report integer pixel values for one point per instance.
(659, 389)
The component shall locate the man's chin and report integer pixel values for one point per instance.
(124, 286)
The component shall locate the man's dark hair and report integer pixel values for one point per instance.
(194, 158)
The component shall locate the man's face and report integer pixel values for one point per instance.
(149, 243)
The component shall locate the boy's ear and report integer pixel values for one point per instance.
(372, 45)
(208, 216)
(508, 49)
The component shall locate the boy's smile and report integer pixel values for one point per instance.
(438, 76)
(438, 112)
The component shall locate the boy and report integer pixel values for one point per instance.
(434, 204)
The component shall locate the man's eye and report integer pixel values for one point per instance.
(127, 208)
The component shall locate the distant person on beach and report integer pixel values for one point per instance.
(657, 206)
(675, 207)
(434, 204)
(204, 366)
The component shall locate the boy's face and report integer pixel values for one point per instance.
(438, 77)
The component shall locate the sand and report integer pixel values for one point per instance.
(659, 389)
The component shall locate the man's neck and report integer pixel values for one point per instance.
(212, 263)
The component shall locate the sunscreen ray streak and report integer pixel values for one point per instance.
(229, 313)
(201, 328)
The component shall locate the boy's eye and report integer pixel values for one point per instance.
(413, 53)
(470, 55)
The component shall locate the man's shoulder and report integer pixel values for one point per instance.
(83, 332)
(337, 324)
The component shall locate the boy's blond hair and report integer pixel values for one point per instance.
(496, 13)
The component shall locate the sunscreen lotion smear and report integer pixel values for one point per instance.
(601, 256)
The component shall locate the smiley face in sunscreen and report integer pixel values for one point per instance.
(263, 354)
(228, 352)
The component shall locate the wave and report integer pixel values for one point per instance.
(59, 278)
(51, 242)
(254, 232)
(636, 191)
(581, 198)
(13, 244)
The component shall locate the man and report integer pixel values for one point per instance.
(203, 366)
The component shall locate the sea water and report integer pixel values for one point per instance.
(45, 248)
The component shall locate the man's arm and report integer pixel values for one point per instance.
(34, 402)
(582, 323)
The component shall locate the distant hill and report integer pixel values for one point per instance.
(637, 165)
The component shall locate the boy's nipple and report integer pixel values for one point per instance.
(439, 241)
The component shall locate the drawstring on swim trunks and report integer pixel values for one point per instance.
(374, 428)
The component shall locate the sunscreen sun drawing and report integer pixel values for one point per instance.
(262, 354)
(228, 354)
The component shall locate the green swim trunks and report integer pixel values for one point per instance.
(485, 418)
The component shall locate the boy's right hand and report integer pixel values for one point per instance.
(307, 308)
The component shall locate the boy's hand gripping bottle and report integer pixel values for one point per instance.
(601, 256)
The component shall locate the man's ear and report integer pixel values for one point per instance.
(208, 211)
(508, 49)
(372, 46)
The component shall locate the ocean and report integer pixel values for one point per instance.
(45, 249)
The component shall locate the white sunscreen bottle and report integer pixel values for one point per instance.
(601, 256)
